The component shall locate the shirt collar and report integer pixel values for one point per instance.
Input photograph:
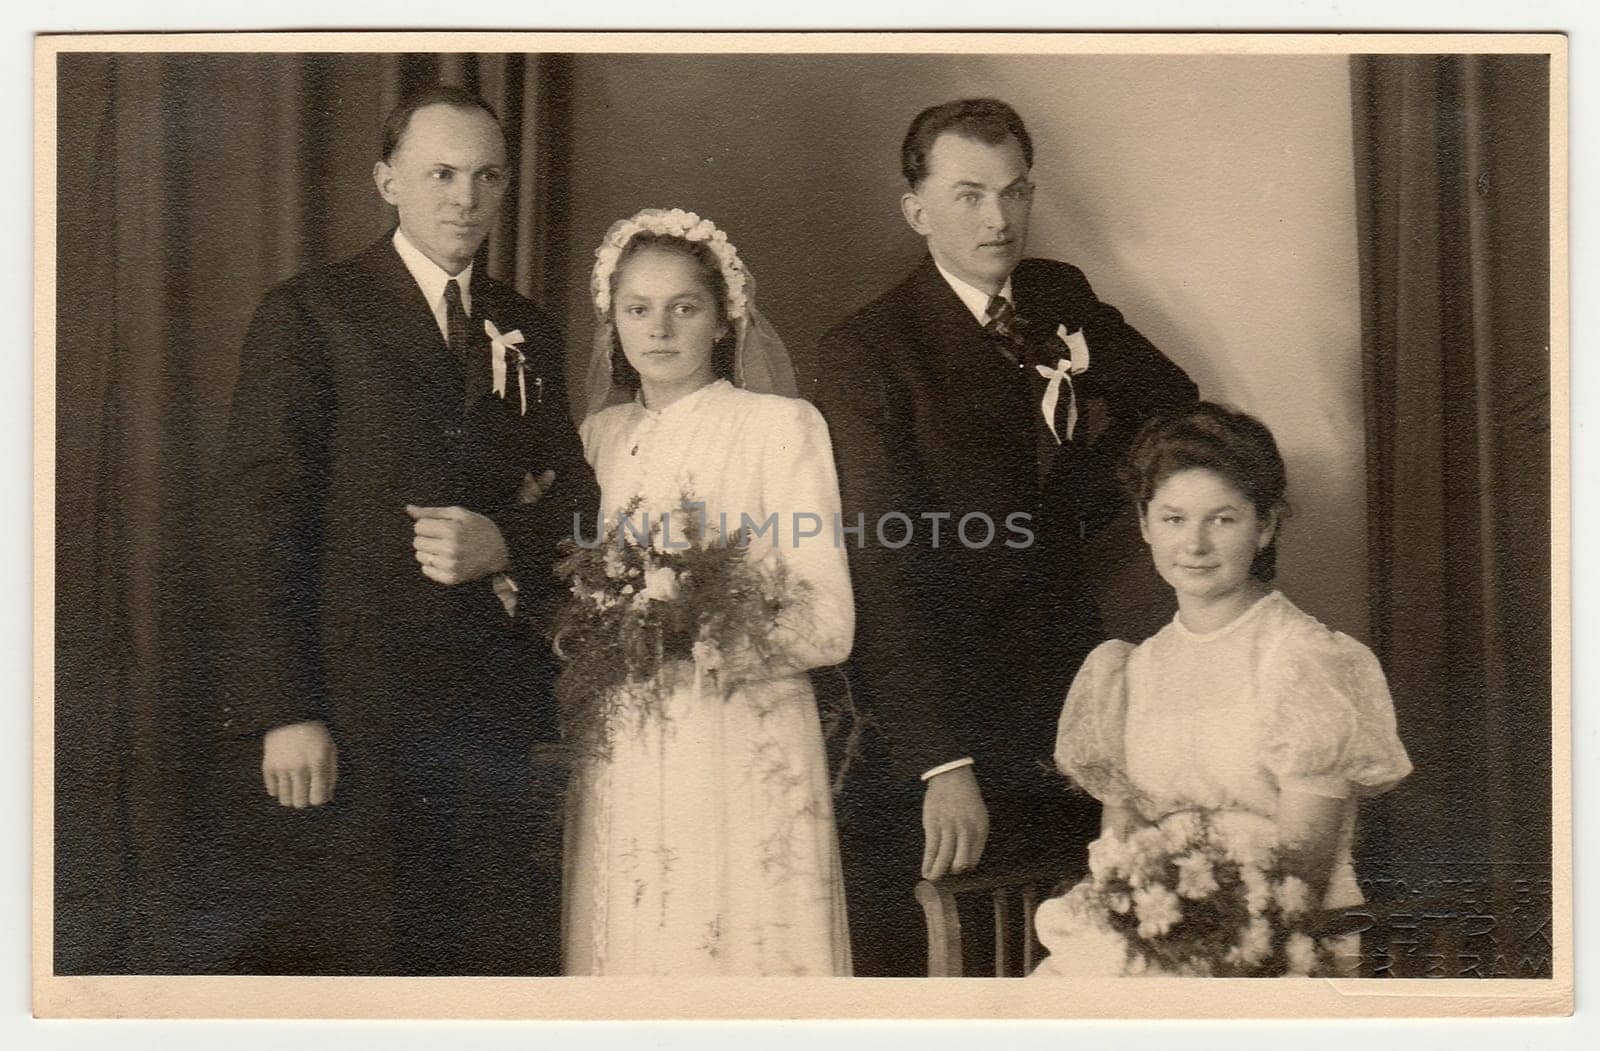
(429, 276)
(976, 299)
(688, 401)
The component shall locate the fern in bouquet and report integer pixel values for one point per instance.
(1201, 893)
(658, 599)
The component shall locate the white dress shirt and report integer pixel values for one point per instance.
(976, 299)
(431, 278)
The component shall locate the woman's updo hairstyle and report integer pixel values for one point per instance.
(1234, 445)
(723, 351)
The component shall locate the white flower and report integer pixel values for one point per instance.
(1196, 878)
(612, 561)
(1157, 909)
(1147, 840)
(1119, 902)
(1302, 954)
(1147, 855)
(1248, 843)
(1258, 889)
(1255, 942)
(1294, 896)
(1108, 857)
(1182, 830)
(660, 584)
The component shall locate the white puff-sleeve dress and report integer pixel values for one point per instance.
(1225, 721)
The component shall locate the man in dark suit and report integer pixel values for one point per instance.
(390, 564)
(978, 408)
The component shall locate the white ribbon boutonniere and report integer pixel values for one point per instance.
(502, 345)
(1075, 364)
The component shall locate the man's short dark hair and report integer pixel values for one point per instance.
(984, 120)
(394, 128)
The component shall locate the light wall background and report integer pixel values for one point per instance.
(1210, 198)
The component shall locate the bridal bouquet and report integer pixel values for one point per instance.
(658, 604)
(1200, 894)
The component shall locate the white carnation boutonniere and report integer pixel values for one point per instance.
(1073, 361)
(505, 349)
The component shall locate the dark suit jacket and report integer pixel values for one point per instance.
(970, 651)
(349, 406)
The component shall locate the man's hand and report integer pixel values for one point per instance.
(532, 488)
(456, 546)
(955, 823)
(299, 764)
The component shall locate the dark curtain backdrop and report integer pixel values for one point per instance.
(1452, 178)
(188, 185)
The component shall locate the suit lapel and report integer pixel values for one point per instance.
(395, 315)
(987, 402)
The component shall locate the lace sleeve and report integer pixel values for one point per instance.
(802, 486)
(1090, 748)
(799, 486)
(1332, 732)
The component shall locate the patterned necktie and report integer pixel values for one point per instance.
(1023, 347)
(1003, 321)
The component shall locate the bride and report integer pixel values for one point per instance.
(701, 839)
(1242, 703)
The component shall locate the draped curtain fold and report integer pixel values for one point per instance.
(188, 184)
(1452, 178)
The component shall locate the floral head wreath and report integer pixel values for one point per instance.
(760, 361)
(671, 223)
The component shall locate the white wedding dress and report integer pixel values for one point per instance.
(703, 841)
(1224, 721)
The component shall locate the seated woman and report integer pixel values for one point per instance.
(1242, 704)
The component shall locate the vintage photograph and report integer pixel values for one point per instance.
(587, 507)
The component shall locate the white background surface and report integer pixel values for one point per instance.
(17, 1029)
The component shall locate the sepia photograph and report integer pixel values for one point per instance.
(625, 515)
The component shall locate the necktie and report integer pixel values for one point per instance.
(1003, 322)
(458, 329)
(1022, 344)
(468, 348)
